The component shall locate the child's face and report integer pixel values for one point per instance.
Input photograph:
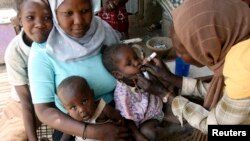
(80, 105)
(74, 17)
(36, 19)
(128, 63)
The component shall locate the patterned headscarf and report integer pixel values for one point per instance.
(207, 29)
(65, 47)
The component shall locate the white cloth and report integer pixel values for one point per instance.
(16, 60)
(65, 47)
(194, 87)
(96, 4)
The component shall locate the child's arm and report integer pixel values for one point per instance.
(28, 112)
(115, 115)
(138, 136)
(112, 113)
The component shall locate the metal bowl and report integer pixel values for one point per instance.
(161, 45)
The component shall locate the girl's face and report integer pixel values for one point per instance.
(36, 19)
(128, 64)
(80, 105)
(74, 17)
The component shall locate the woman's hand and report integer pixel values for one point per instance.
(112, 113)
(153, 86)
(158, 68)
(107, 132)
(140, 137)
(137, 135)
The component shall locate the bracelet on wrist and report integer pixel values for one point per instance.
(84, 131)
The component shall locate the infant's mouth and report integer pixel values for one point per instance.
(85, 118)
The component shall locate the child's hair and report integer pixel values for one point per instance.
(109, 58)
(73, 83)
(19, 5)
(20, 2)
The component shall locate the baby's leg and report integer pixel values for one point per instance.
(150, 129)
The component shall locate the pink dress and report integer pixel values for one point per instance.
(135, 106)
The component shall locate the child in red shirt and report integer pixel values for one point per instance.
(114, 12)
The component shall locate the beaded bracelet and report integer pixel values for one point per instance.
(84, 132)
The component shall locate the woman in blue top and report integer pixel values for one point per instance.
(72, 48)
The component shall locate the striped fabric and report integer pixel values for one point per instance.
(227, 111)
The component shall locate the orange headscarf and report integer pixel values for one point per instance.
(207, 29)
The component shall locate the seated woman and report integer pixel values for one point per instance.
(72, 48)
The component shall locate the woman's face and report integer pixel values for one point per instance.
(74, 17)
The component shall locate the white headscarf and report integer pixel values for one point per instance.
(65, 47)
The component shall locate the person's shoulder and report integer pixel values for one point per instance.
(236, 71)
(38, 48)
(101, 21)
(38, 52)
(240, 50)
(12, 48)
(13, 43)
(113, 35)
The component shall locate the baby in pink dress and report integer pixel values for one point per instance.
(144, 109)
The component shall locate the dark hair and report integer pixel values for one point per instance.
(73, 83)
(19, 4)
(109, 57)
